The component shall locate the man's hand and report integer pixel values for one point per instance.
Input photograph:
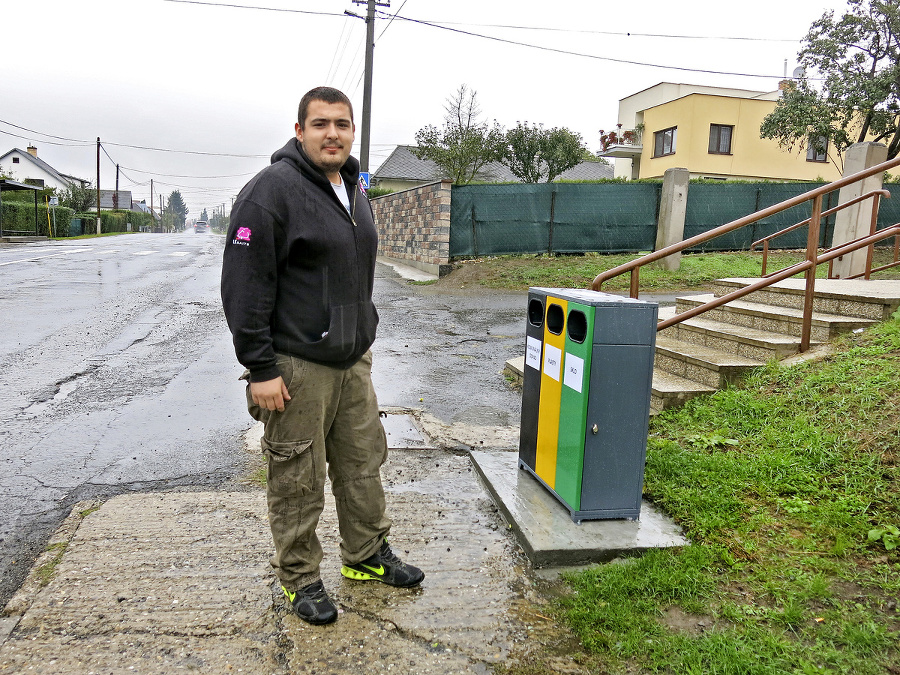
(270, 394)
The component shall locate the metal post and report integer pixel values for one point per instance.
(552, 215)
(98, 185)
(812, 246)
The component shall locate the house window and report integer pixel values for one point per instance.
(664, 142)
(720, 139)
(15, 160)
(817, 149)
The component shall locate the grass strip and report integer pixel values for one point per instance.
(578, 271)
(777, 482)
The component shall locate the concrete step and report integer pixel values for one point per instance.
(699, 363)
(668, 391)
(776, 319)
(751, 343)
(875, 300)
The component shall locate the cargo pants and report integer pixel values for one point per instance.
(331, 424)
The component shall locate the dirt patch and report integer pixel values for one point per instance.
(677, 619)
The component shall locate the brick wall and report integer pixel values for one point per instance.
(414, 226)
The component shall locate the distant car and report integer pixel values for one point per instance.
(201, 226)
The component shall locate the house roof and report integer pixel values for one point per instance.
(106, 199)
(41, 164)
(403, 164)
(9, 184)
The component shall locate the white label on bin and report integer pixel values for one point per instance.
(533, 352)
(572, 377)
(552, 361)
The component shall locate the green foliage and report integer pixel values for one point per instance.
(114, 221)
(374, 192)
(79, 198)
(858, 57)
(782, 484)
(533, 153)
(889, 536)
(176, 211)
(19, 216)
(464, 145)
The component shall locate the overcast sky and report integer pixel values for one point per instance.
(225, 80)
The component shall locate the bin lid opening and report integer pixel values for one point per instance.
(556, 319)
(577, 326)
(535, 312)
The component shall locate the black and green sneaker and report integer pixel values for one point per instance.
(312, 604)
(385, 567)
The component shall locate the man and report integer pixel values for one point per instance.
(297, 277)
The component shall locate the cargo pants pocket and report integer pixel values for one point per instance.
(291, 470)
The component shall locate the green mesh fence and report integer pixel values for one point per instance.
(622, 217)
(556, 217)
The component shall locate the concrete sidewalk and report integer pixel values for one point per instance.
(156, 583)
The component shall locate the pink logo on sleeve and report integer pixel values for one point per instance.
(242, 234)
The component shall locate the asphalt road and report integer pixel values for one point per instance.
(117, 373)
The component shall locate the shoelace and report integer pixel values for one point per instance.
(389, 556)
(318, 593)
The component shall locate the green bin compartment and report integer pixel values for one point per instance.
(602, 412)
(573, 404)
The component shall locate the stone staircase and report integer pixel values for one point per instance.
(703, 354)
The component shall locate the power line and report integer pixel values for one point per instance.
(266, 9)
(581, 54)
(175, 175)
(601, 32)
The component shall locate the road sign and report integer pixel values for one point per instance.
(364, 180)
(54, 201)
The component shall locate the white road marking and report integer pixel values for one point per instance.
(41, 257)
(144, 252)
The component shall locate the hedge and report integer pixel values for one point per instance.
(114, 221)
(18, 216)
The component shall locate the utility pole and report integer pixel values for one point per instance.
(116, 193)
(367, 82)
(152, 219)
(98, 185)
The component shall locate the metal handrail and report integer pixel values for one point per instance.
(808, 266)
(874, 195)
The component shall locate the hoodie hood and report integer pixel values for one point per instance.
(293, 153)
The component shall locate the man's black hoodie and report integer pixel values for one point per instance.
(298, 269)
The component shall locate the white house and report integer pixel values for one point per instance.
(26, 167)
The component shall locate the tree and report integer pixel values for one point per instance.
(858, 60)
(178, 209)
(464, 145)
(533, 153)
(80, 198)
(203, 216)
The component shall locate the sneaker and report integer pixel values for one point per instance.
(312, 604)
(385, 567)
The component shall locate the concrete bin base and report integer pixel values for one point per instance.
(546, 532)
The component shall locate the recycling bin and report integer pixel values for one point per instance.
(586, 399)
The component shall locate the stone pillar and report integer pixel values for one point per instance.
(854, 221)
(672, 209)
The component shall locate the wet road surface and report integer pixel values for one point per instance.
(113, 356)
(117, 374)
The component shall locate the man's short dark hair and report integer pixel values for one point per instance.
(325, 94)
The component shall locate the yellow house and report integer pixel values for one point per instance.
(712, 132)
